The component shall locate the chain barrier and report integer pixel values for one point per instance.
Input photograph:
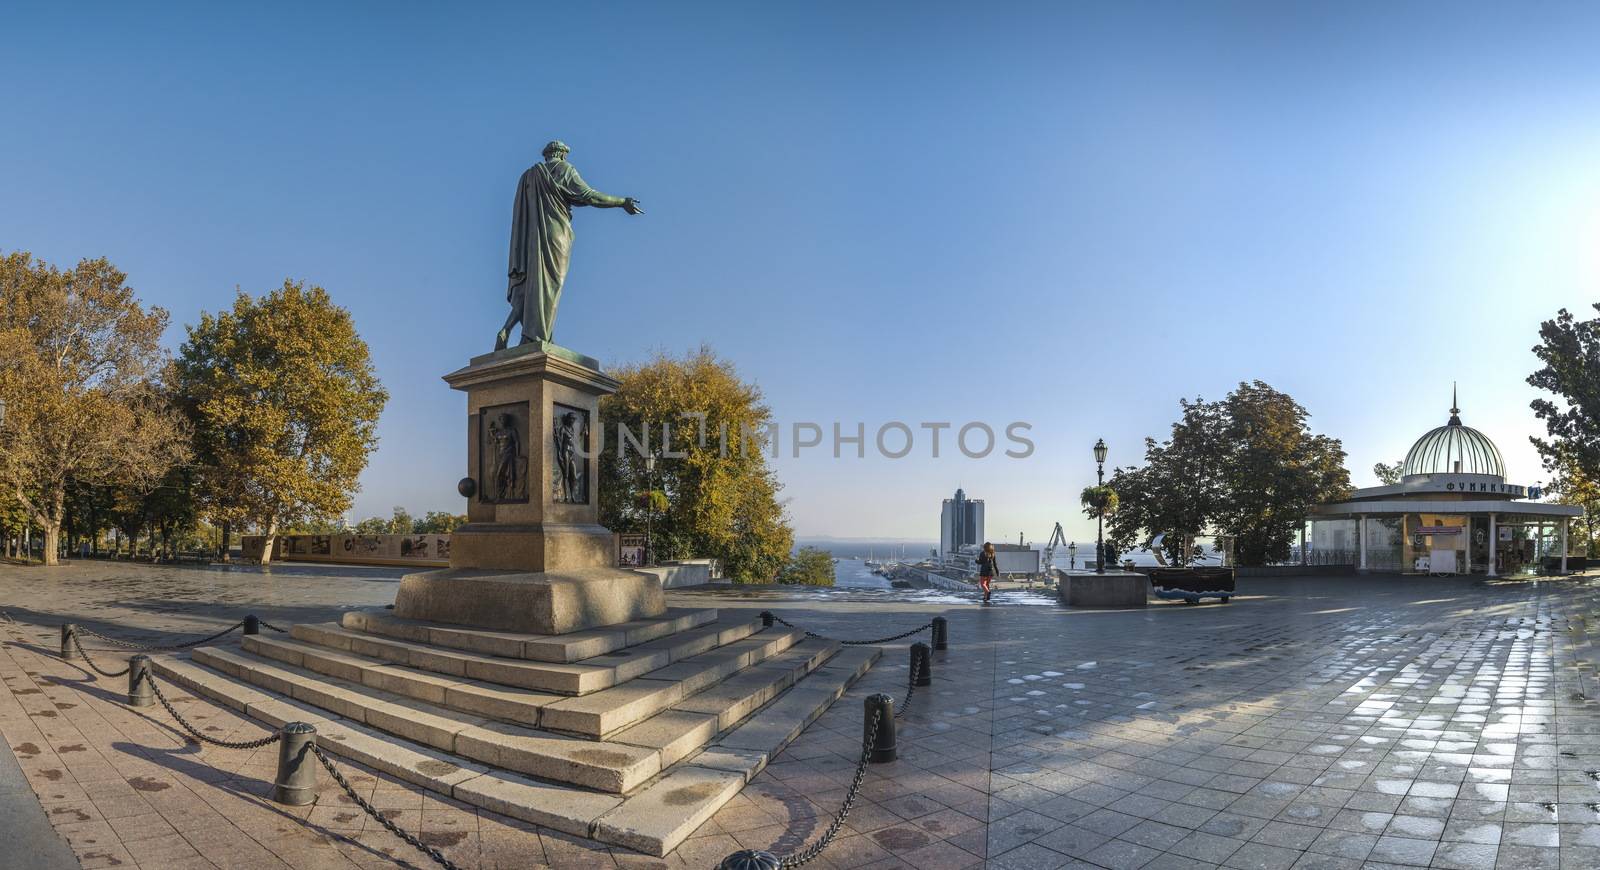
(97, 669)
(266, 624)
(911, 688)
(393, 828)
(809, 853)
(270, 739)
(327, 764)
(784, 622)
(157, 648)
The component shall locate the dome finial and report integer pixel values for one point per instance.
(1455, 412)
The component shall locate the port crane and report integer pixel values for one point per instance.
(1057, 538)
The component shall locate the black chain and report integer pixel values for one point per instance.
(274, 737)
(911, 688)
(381, 818)
(921, 628)
(97, 669)
(153, 648)
(808, 854)
(266, 624)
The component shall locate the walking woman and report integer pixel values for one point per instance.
(986, 569)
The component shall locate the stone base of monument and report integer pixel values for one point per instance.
(1111, 589)
(632, 734)
(547, 602)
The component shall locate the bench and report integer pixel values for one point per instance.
(1192, 584)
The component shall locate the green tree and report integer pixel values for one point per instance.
(1178, 489)
(720, 497)
(811, 566)
(80, 369)
(1569, 350)
(438, 523)
(1388, 475)
(372, 526)
(401, 523)
(285, 406)
(1247, 467)
(1274, 472)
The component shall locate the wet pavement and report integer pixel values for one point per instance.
(1334, 722)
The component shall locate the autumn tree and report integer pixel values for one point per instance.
(285, 406)
(715, 495)
(80, 372)
(1571, 485)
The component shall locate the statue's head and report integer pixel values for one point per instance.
(556, 148)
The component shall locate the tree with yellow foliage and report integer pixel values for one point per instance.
(81, 368)
(719, 499)
(285, 406)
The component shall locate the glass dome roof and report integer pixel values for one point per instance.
(1454, 449)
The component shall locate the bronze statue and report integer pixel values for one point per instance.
(541, 241)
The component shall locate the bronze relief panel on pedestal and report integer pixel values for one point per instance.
(503, 454)
(569, 468)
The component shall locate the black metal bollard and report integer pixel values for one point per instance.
(67, 631)
(252, 624)
(880, 706)
(296, 784)
(941, 633)
(766, 619)
(751, 859)
(139, 694)
(921, 664)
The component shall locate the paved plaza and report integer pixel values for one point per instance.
(1333, 722)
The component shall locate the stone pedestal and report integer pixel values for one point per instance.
(1111, 589)
(532, 556)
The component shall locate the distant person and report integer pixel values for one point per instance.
(986, 569)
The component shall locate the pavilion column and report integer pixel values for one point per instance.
(1565, 521)
(1361, 540)
(1538, 549)
(1494, 546)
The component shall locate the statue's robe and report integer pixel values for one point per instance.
(541, 242)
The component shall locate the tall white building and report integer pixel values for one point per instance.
(960, 524)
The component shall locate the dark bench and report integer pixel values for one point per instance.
(1192, 584)
(1575, 564)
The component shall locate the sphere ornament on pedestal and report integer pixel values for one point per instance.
(467, 487)
(750, 859)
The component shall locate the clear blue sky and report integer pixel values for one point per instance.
(1065, 213)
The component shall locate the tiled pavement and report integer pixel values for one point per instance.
(1316, 723)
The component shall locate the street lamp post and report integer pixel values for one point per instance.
(649, 504)
(1072, 556)
(1100, 515)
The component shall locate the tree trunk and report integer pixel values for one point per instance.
(52, 540)
(50, 524)
(270, 535)
(222, 550)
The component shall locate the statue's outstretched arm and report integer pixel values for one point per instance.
(591, 197)
(606, 200)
